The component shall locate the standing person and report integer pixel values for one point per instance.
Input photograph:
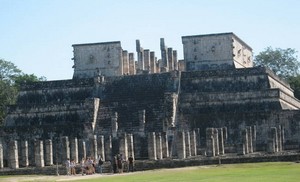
(131, 164)
(114, 164)
(68, 166)
(100, 163)
(120, 163)
(82, 163)
(72, 166)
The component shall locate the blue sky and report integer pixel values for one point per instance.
(36, 35)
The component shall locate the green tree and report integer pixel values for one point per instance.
(10, 80)
(283, 62)
(294, 81)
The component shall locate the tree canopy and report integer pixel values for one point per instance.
(10, 80)
(283, 62)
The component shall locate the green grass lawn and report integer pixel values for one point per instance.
(280, 171)
(256, 172)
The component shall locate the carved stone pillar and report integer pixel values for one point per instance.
(159, 152)
(221, 141)
(170, 59)
(130, 144)
(101, 148)
(152, 146)
(24, 162)
(125, 63)
(210, 142)
(74, 149)
(132, 70)
(147, 59)
(193, 143)
(65, 149)
(165, 145)
(39, 153)
(180, 144)
(123, 147)
(108, 147)
(114, 125)
(152, 62)
(187, 144)
(48, 153)
(81, 149)
(13, 155)
(1, 155)
(245, 140)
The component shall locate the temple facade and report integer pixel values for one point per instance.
(210, 103)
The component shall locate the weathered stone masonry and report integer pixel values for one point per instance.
(153, 109)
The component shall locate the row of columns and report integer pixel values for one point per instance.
(248, 144)
(158, 147)
(215, 140)
(147, 61)
(275, 139)
(186, 144)
(19, 152)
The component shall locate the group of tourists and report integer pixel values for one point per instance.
(118, 164)
(89, 165)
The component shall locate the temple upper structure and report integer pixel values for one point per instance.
(216, 51)
(97, 58)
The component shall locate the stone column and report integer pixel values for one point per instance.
(225, 134)
(165, 145)
(193, 143)
(175, 60)
(170, 59)
(108, 147)
(152, 62)
(131, 64)
(271, 146)
(93, 145)
(140, 55)
(114, 124)
(245, 140)
(24, 162)
(198, 138)
(13, 155)
(152, 146)
(147, 60)
(39, 153)
(65, 149)
(187, 144)
(1, 155)
(157, 64)
(123, 147)
(164, 56)
(81, 149)
(279, 136)
(216, 142)
(254, 137)
(159, 152)
(282, 137)
(100, 147)
(241, 149)
(180, 144)
(48, 153)
(125, 63)
(74, 149)
(221, 141)
(210, 142)
(130, 145)
(249, 132)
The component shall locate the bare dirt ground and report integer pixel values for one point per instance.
(37, 178)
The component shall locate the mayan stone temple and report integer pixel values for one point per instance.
(212, 104)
